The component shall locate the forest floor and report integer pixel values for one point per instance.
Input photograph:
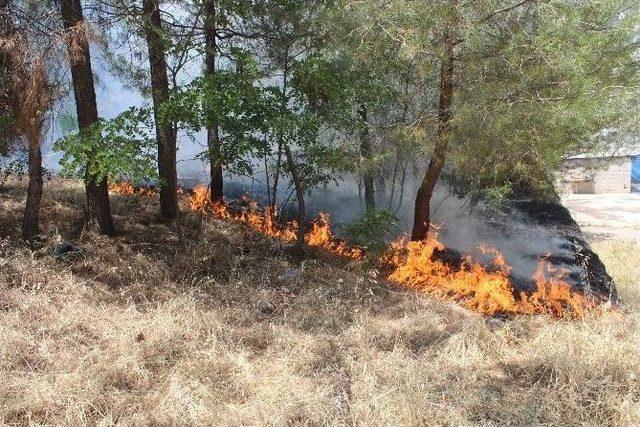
(204, 322)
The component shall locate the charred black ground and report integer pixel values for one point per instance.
(585, 269)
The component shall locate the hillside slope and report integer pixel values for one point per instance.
(205, 322)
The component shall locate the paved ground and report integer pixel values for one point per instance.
(611, 215)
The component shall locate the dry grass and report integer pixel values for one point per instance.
(195, 324)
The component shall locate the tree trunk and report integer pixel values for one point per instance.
(403, 181)
(299, 188)
(422, 212)
(393, 183)
(85, 96)
(34, 192)
(30, 221)
(5, 29)
(276, 179)
(366, 152)
(7, 95)
(213, 132)
(165, 135)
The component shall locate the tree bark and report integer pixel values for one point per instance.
(165, 135)
(213, 132)
(422, 211)
(366, 152)
(9, 64)
(276, 179)
(7, 96)
(85, 96)
(30, 222)
(393, 183)
(299, 189)
(403, 181)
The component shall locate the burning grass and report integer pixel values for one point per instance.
(265, 221)
(488, 292)
(208, 323)
(414, 265)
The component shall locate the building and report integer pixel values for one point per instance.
(615, 171)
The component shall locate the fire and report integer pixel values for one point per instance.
(321, 236)
(554, 295)
(478, 288)
(265, 221)
(413, 265)
(199, 199)
(125, 188)
(121, 188)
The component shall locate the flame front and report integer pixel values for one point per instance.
(125, 188)
(265, 221)
(321, 236)
(414, 264)
(473, 285)
(121, 188)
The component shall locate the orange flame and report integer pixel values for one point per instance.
(262, 221)
(414, 266)
(321, 236)
(473, 285)
(121, 188)
(125, 188)
(265, 222)
(199, 200)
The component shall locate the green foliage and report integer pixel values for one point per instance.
(540, 89)
(533, 82)
(290, 121)
(232, 101)
(373, 229)
(16, 165)
(119, 148)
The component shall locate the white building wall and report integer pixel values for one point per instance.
(608, 175)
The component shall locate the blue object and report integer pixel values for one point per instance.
(635, 174)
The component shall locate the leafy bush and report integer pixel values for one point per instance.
(119, 148)
(373, 229)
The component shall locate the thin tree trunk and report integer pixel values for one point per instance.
(299, 188)
(366, 152)
(403, 181)
(213, 131)
(422, 211)
(7, 95)
(6, 28)
(165, 135)
(285, 101)
(85, 96)
(265, 159)
(276, 178)
(30, 222)
(393, 183)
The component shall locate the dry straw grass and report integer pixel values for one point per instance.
(199, 324)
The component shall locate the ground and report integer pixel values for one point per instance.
(606, 215)
(204, 322)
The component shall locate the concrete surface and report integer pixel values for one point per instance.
(606, 215)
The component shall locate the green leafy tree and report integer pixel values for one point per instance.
(231, 101)
(121, 148)
(506, 89)
(301, 144)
